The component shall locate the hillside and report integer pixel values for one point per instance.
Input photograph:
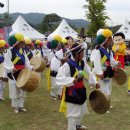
(36, 18)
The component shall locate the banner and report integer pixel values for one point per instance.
(2, 33)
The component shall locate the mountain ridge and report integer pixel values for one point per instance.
(36, 18)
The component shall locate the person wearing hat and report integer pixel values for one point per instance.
(56, 62)
(38, 51)
(71, 76)
(15, 61)
(70, 41)
(29, 46)
(2, 49)
(103, 61)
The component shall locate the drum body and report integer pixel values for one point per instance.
(28, 80)
(2, 72)
(120, 76)
(99, 102)
(38, 63)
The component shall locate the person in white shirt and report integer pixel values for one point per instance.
(15, 61)
(56, 62)
(69, 75)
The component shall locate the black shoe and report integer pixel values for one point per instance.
(81, 127)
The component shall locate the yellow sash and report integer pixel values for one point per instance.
(48, 76)
(129, 83)
(103, 59)
(17, 57)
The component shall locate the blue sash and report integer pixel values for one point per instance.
(21, 56)
(105, 52)
(1, 59)
(73, 63)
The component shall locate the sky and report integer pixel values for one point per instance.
(117, 10)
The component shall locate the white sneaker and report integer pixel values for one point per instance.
(16, 110)
(1, 98)
(22, 109)
(111, 107)
(108, 112)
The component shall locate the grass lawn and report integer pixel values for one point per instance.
(43, 112)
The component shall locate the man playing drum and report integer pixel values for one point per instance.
(15, 61)
(103, 61)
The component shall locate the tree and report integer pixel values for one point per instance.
(82, 31)
(7, 19)
(49, 22)
(96, 15)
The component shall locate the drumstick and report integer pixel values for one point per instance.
(14, 79)
(74, 48)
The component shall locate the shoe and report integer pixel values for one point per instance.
(111, 107)
(81, 127)
(128, 92)
(16, 110)
(108, 112)
(1, 98)
(53, 96)
(22, 109)
(59, 97)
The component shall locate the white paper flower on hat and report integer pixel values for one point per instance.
(12, 33)
(50, 38)
(100, 32)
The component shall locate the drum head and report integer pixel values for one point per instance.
(28, 80)
(38, 63)
(99, 102)
(23, 78)
(120, 76)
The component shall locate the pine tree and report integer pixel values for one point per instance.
(95, 13)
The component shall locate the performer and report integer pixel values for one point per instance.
(70, 41)
(56, 90)
(119, 47)
(38, 49)
(29, 46)
(103, 61)
(15, 61)
(2, 49)
(71, 75)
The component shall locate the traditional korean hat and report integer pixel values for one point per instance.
(103, 35)
(15, 38)
(2, 43)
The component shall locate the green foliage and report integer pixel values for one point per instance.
(49, 22)
(6, 20)
(96, 15)
(82, 31)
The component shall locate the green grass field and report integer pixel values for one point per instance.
(43, 112)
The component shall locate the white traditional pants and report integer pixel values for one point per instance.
(75, 114)
(16, 94)
(106, 86)
(1, 88)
